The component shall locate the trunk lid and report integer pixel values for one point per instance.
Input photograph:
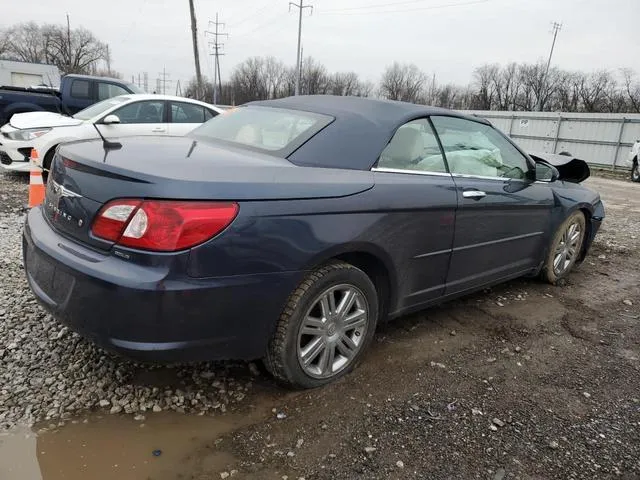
(84, 177)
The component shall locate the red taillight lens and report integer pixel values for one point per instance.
(162, 225)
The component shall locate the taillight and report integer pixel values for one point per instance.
(162, 225)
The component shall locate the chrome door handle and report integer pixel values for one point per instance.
(159, 130)
(475, 194)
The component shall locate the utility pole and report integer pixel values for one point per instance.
(300, 7)
(108, 60)
(196, 57)
(68, 44)
(217, 46)
(556, 28)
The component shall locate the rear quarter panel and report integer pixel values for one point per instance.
(389, 221)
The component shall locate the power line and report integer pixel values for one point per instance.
(300, 8)
(271, 22)
(403, 10)
(217, 46)
(254, 14)
(379, 5)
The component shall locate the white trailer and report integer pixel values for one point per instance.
(24, 74)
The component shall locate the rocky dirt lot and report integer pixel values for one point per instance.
(521, 381)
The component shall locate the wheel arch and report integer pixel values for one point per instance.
(48, 156)
(374, 262)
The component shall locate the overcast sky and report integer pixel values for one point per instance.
(447, 38)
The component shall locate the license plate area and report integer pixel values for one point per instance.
(54, 282)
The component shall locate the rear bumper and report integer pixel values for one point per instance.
(154, 312)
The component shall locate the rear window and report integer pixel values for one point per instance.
(273, 130)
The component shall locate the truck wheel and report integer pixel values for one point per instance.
(325, 328)
(565, 248)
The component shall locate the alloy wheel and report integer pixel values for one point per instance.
(332, 331)
(567, 249)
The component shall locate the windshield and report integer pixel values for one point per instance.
(134, 88)
(100, 107)
(273, 130)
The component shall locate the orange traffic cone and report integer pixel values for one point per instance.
(33, 158)
(36, 185)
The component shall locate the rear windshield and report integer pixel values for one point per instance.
(272, 130)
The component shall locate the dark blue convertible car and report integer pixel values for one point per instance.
(287, 229)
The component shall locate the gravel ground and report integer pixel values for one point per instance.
(50, 373)
(522, 381)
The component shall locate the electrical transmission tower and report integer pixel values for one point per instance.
(216, 46)
(162, 81)
(556, 27)
(300, 8)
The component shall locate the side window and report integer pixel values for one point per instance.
(108, 90)
(413, 147)
(473, 148)
(141, 112)
(187, 113)
(209, 114)
(80, 89)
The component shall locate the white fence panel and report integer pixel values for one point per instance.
(598, 138)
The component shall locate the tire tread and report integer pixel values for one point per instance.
(273, 361)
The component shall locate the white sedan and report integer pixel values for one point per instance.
(123, 116)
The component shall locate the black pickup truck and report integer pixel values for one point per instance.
(76, 93)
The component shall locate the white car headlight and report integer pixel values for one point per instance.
(28, 134)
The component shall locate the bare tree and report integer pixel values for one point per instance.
(315, 78)
(275, 74)
(505, 85)
(403, 82)
(193, 91)
(77, 51)
(28, 42)
(248, 80)
(344, 83)
(485, 81)
(593, 90)
(72, 51)
(631, 89)
(4, 43)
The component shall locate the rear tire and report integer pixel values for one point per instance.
(565, 248)
(316, 341)
(635, 172)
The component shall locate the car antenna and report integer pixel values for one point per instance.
(106, 144)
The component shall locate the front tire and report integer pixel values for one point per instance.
(565, 248)
(635, 172)
(325, 328)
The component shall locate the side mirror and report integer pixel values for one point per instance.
(111, 119)
(546, 172)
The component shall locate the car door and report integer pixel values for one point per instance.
(185, 116)
(503, 217)
(419, 199)
(146, 117)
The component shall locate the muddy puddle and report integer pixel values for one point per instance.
(163, 446)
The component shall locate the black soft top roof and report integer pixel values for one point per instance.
(360, 131)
